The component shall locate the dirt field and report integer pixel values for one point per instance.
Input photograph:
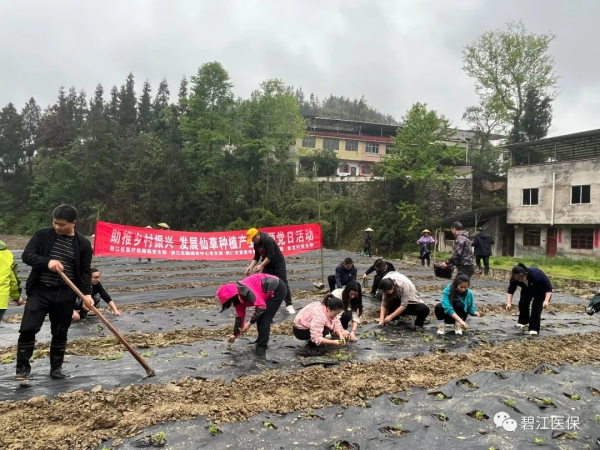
(394, 383)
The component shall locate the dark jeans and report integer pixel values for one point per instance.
(467, 270)
(420, 310)
(281, 273)
(376, 282)
(459, 308)
(263, 324)
(79, 305)
(304, 335)
(536, 303)
(346, 319)
(486, 263)
(367, 250)
(425, 257)
(331, 281)
(57, 302)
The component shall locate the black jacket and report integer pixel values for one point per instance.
(482, 244)
(99, 289)
(380, 273)
(266, 247)
(37, 252)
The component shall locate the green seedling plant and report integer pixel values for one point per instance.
(510, 402)
(443, 417)
(398, 427)
(426, 338)
(113, 357)
(539, 441)
(269, 425)
(364, 334)
(146, 354)
(547, 401)
(214, 430)
(146, 320)
(202, 353)
(597, 419)
(8, 360)
(159, 438)
(441, 396)
(575, 397)
(479, 415)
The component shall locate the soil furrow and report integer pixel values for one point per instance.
(42, 424)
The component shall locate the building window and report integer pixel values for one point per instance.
(331, 144)
(580, 194)
(309, 141)
(366, 170)
(352, 146)
(531, 197)
(582, 238)
(531, 237)
(372, 147)
(344, 168)
(391, 150)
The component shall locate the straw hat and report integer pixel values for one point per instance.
(425, 231)
(369, 229)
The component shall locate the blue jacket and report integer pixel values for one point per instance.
(537, 283)
(343, 276)
(466, 298)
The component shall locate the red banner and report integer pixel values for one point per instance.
(134, 242)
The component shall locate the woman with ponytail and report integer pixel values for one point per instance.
(457, 303)
(536, 292)
(319, 319)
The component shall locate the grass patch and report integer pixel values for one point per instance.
(577, 269)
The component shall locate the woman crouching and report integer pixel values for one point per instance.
(457, 303)
(319, 319)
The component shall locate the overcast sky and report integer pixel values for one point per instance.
(393, 52)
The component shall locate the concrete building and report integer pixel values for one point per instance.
(554, 196)
(358, 145)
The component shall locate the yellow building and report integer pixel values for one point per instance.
(358, 145)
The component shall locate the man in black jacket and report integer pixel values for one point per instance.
(381, 268)
(49, 251)
(482, 244)
(272, 262)
(98, 293)
(344, 273)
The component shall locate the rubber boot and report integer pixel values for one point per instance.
(260, 352)
(57, 355)
(24, 354)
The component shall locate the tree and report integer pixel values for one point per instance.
(536, 119)
(506, 65)
(127, 104)
(31, 117)
(161, 101)
(182, 105)
(145, 113)
(11, 132)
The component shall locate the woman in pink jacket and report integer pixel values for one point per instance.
(319, 319)
(261, 291)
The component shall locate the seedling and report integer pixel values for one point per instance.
(575, 397)
(8, 360)
(341, 355)
(364, 334)
(159, 438)
(269, 425)
(382, 338)
(113, 357)
(399, 427)
(479, 415)
(443, 417)
(539, 441)
(146, 320)
(146, 354)
(99, 329)
(426, 338)
(441, 396)
(214, 430)
(202, 353)
(547, 401)
(597, 419)
(397, 400)
(510, 402)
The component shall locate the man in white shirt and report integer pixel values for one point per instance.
(401, 298)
